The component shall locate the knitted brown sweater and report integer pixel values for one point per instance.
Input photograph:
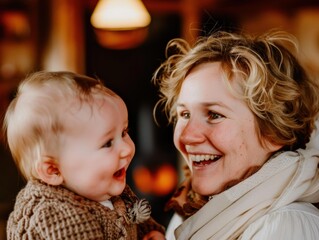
(54, 212)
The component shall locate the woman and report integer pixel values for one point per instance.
(243, 109)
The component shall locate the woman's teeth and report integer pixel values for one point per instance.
(203, 160)
(200, 158)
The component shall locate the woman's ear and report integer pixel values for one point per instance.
(48, 171)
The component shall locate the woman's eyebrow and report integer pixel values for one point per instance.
(207, 104)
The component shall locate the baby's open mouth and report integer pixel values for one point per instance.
(120, 173)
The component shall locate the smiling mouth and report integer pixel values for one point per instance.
(120, 173)
(203, 160)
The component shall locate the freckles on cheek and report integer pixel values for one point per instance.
(222, 139)
(242, 146)
(242, 150)
(231, 142)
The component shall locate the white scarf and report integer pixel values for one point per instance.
(286, 178)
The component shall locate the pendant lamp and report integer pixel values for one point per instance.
(120, 24)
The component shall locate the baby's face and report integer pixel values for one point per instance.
(96, 149)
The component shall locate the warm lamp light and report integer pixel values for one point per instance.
(120, 15)
(120, 23)
(161, 182)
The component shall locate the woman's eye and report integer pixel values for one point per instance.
(108, 144)
(184, 115)
(214, 116)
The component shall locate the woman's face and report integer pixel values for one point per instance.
(215, 131)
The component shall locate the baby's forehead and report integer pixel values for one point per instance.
(109, 102)
(94, 103)
(81, 113)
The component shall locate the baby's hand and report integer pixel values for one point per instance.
(154, 235)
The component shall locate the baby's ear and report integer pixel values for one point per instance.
(48, 171)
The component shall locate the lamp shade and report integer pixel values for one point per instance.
(120, 24)
(120, 15)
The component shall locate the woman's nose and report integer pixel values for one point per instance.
(192, 133)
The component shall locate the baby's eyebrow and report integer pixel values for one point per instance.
(105, 135)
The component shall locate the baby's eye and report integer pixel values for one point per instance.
(125, 131)
(108, 144)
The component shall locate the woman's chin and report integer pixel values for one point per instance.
(198, 187)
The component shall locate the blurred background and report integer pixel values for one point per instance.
(60, 35)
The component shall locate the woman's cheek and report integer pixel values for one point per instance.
(176, 136)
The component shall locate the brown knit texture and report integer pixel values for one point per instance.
(53, 212)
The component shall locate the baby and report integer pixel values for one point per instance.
(68, 135)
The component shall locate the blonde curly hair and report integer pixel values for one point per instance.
(275, 86)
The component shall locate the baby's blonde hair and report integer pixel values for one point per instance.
(34, 118)
(283, 98)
